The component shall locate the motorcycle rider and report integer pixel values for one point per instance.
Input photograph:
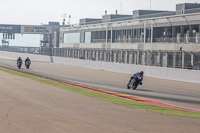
(19, 60)
(27, 61)
(140, 74)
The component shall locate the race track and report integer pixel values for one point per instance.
(172, 92)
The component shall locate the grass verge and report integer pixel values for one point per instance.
(109, 98)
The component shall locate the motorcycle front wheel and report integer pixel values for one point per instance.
(135, 85)
(128, 86)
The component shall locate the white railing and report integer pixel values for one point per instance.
(179, 40)
(141, 40)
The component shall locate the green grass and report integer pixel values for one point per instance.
(109, 98)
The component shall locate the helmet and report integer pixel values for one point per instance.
(141, 72)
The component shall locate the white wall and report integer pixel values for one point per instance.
(138, 46)
(150, 71)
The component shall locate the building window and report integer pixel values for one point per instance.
(87, 37)
(72, 37)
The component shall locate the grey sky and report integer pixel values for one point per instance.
(42, 11)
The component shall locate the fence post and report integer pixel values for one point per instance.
(183, 59)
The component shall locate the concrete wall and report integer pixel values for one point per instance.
(139, 46)
(150, 71)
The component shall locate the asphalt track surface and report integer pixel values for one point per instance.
(27, 106)
(172, 92)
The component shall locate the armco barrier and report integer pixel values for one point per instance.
(150, 71)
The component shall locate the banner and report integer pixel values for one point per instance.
(10, 28)
(31, 29)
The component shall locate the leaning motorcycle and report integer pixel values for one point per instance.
(134, 82)
(27, 64)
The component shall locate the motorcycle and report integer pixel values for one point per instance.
(19, 65)
(134, 82)
(27, 64)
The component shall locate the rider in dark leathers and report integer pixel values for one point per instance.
(140, 74)
(27, 60)
(19, 61)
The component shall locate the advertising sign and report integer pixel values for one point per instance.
(33, 29)
(10, 28)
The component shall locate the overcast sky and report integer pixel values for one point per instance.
(35, 12)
